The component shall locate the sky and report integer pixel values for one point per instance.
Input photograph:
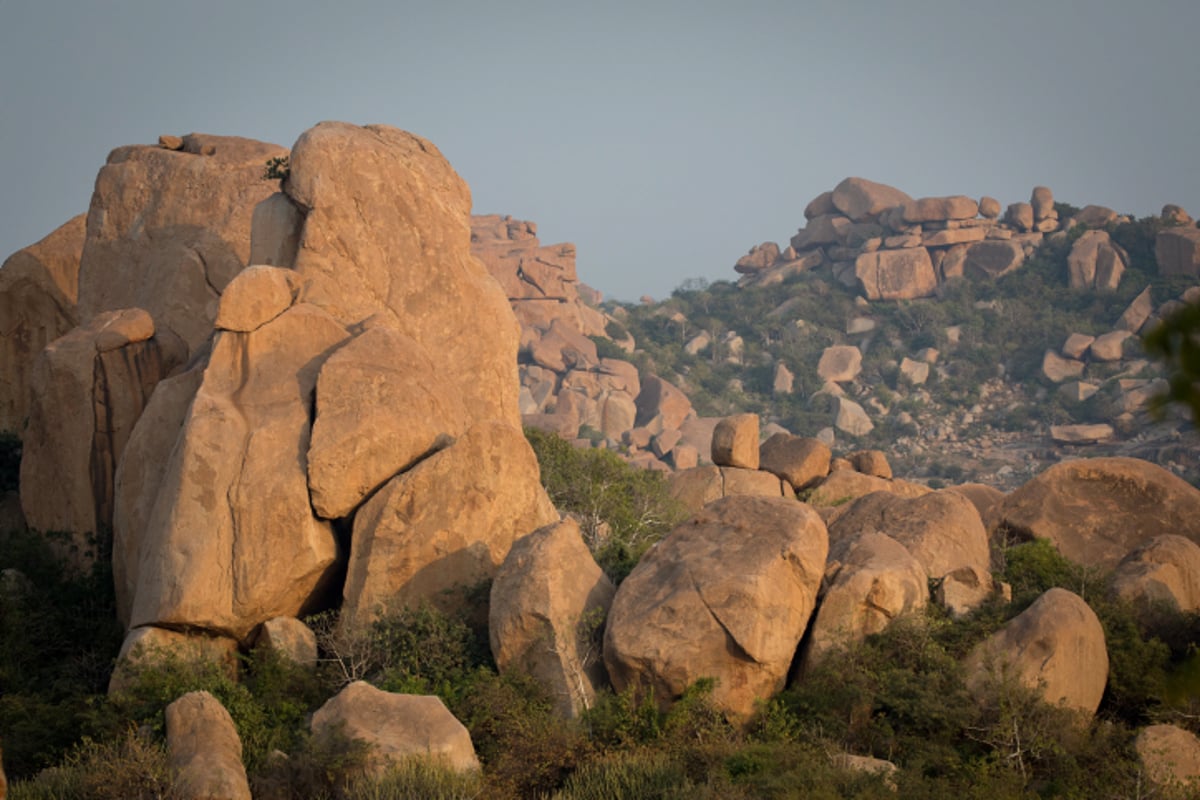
(664, 139)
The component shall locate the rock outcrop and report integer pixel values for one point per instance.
(204, 750)
(726, 594)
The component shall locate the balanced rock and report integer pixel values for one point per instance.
(168, 230)
(398, 726)
(39, 286)
(548, 603)
(896, 274)
(1177, 251)
(446, 524)
(1164, 570)
(1056, 647)
(989, 207)
(204, 750)
(735, 442)
(871, 462)
(1096, 510)
(726, 595)
(1171, 758)
(798, 460)
(1042, 201)
(861, 199)
(1019, 216)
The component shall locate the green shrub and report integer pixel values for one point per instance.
(130, 766)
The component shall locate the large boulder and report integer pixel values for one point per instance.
(1096, 510)
(851, 418)
(861, 199)
(236, 471)
(446, 524)
(88, 390)
(1177, 251)
(939, 209)
(386, 231)
(39, 286)
(1096, 262)
(1056, 647)
(204, 750)
(839, 362)
(288, 639)
(896, 274)
(381, 405)
(152, 648)
(1164, 570)
(876, 581)
(547, 609)
(843, 485)
(168, 229)
(735, 442)
(661, 404)
(992, 258)
(1170, 756)
(726, 595)
(800, 461)
(397, 726)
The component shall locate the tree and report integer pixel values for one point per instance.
(1176, 341)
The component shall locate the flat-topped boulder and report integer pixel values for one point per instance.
(861, 199)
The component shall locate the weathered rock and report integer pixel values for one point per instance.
(1164, 570)
(398, 726)
(844, 485)
(840, 362)
(896, 274)
(1096, 510)
(938, 209)
(871, 462)
(275, 231)
(783, 381)
(851, 418)
(1056, 647)
(800, 461)
(982, 496)
(876, 581)
(168, 230)
(1076, 345)
(1059, 369)
(1089, 433)
(821, 204)
(237, 471)
(698, 343)
(696, 487)
(1042, 201)
(826, 229)
(735, 442)
(290, 639)
(387, 232)
(1092, 216)
(446, 524)
(861, 199)
(1078, 391)
(150, 647)
(560, 347)
(737, 482)
(1019, 216)
(381, 406)
(548, 603)
(1171, 758)
(204, 750)
(1109, 346)
(659, 399)
(952, 236)
(915, 372)
(1136, 314)
(992, 258)
(88, 390)
(254, 297)
(1096, 262)
(39, 286)
(1177, 251)
(725, 595)
(989, 207)
(759, 258)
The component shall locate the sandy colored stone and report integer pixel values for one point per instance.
(759, 258)
(1177, 251)
(844, 485)
(696, 487)
(167, 230)
(661, 399)
(204, 751)
(851, 418)
(290, 639)
(800, 461)
(1171, 758)
(992, 259)
(398, 726)
(1019, 216)
(840, 362)
(39, 286)
(726, 595)
(896, 274)
(982, 496)
(989, 207)
(257, 295)
(752, 482)
(1095, 262)
(1164, 570)
(149, 647)
(88, 390)
(548, 603)
(1089, 433)
(1042, 201)
(1059, 369)
(914, 372)
(1056, 647)
(237, 472)
(876, 581)
(1109, 346)
(1136, 314)
(387, 231)
(735, 442)
(783, 380)
(861, 199)
(446, 524)
(871, 462)
(953, 236)
(821, 204)
(1077, 345)
(938, 209)
(1096, 510)
(381, 406)
(1093, 216)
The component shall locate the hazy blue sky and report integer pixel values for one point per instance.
(663, 138)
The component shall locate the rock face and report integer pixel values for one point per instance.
(446, 524)
(735, 442)
(903, 274)
(386, 232)
(89, 388)
(1096, 510)
(1096, 262)
(167, 230)
(1177, 251)
(398, 726)
(39, 287)
(1056, 646)
(877, 581)
(547, 607)
(1171, 757)
(1165, 569)
(204, 750)
(725, 595)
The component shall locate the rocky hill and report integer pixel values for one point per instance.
(279, 525)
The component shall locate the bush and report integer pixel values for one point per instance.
(128, 767)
